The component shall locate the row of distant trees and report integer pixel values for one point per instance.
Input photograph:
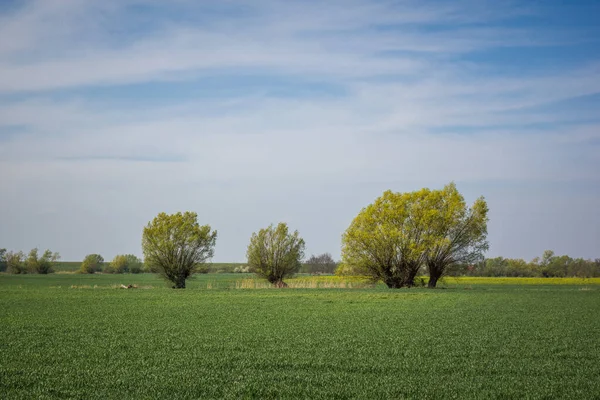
(121, 264)
(17, 262)
(46, 263)
(549, 265)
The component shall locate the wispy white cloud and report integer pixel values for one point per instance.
(338, 40)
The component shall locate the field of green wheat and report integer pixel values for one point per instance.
(231, 336)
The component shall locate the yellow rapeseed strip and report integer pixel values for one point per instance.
(476, 280)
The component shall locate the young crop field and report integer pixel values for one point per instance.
(229, 336)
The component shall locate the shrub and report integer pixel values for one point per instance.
(119, 265)
(134, 264)
(109, 269)
(41, 265)
(15, 262)
(124, 263)
(91, 264)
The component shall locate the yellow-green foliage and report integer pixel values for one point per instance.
(15, 262)
(392, 238)
(41, 265)
(177, 245)
(123, 263)
(274, 253)
(344, 269)
(91, 264)
(458, 233)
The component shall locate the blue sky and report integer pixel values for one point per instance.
(251, 113)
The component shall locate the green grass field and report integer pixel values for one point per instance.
(77, 336)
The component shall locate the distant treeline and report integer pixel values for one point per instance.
(549, 265)
(214, 268)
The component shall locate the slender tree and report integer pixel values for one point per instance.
(275, 254)
(177, 245)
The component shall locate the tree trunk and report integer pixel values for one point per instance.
(435, 273)
(432, 281)
(179, 283)
(280, 284)
(410, 278)
(393, 282)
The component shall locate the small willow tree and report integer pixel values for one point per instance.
(275, 254)
(91, 264)
(177, 245)
(460, 232)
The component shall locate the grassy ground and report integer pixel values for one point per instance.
(76, 336)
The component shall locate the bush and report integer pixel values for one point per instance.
(41, 265)
(91, 264)
(124, 263)
(15, 262)
(109, 269)
(118, 265)
(135, 265)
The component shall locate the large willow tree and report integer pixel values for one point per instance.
(176, 245)
(388, 239)
(391, 239)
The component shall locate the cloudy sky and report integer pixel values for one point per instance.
(255, 112)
